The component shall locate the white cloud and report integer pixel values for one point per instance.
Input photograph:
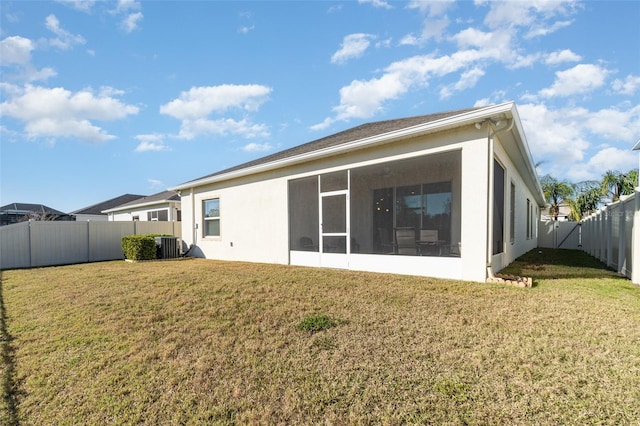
(467, 79)
(65, 40)
(611, 158)
(432, 8)
(194, 106)
(155, 183)
(544, 29)
(561, 56)
(131, 22)
(125, 6)
(131, 15)
(57, 112)
(582, 78)
(533, 14)
(222, 127)
(377, 3)
(353, 46)
(199, 102)
(564, 138)
(363, 99)
(15, 50)
(554, 134)
(151, 142)
(628, 86)
(81, 5)
(246, 29)
(258, 147)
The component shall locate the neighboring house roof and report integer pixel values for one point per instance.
(636, 147)
(161, 197)
(354, 134)
(27, 208)
(98, 208)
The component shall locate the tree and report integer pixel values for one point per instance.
(555, 192)
(587, 199)
(614, 183)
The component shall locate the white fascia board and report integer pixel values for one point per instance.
(421, 129)
(131, 207)
(523, 146)
(636, 147)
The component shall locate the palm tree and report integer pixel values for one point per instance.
(587, 199)
(555, 192)
(614, 183)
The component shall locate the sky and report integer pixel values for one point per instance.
(103, 98)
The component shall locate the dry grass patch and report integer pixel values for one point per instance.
(208, 342)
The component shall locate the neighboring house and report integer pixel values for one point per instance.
(163, 206)
(20, 212)
(450, 195)
(564, 211)
(94, 212)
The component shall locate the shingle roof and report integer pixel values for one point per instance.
(346, 136)
(27, 207)
(109, 204)
(159, 197)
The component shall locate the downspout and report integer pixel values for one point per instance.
(489, 227)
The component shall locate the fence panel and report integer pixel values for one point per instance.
(613, 236)
(627, 266)
(552, 234)
(59, 243)
(614, 217)
(14, 246)
(105, 239)
(172, 228)
(40, 243)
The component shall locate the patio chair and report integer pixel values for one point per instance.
(406, 241)
(429, 242)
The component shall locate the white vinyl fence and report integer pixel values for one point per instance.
(42, 243)
(566, 235)
(611, 235)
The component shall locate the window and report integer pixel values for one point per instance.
(528, 219)
(158, 215)
(512, 214)
(498, 207)
(211, 214)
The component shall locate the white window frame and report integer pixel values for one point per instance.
(206, 218)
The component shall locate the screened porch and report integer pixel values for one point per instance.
(409, 207)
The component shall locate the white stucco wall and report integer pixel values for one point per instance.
(254, 210)
(521, 244)
(253, 221)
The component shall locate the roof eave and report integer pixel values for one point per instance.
(421, 129)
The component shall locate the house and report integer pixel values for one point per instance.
(564, 212)
(449, 195)
(94, 212)
(163, 207)
(20, 212)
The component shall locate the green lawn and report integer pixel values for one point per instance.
(209, 342)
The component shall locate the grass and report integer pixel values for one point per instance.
(209, 342)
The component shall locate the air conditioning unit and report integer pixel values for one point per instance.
(167, 247)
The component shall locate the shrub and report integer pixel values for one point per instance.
(139, 247)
